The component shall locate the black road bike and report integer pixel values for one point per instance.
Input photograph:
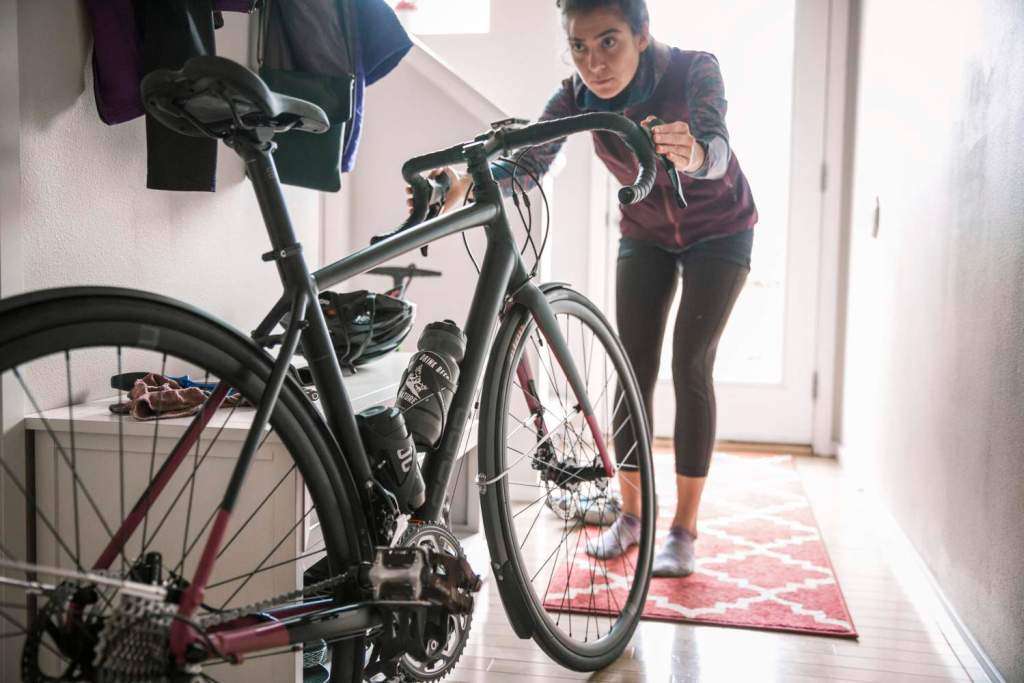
(175, 549)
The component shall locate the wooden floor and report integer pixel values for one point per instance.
(904, 634)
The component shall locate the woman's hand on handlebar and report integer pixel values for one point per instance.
(458, 187)
(675, 141)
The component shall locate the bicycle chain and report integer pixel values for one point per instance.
(218, 618)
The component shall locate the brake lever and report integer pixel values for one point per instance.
(670, 168)
(439, 186)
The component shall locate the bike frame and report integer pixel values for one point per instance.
(503, 276)
(503, 280)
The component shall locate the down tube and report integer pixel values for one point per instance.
(488, 297)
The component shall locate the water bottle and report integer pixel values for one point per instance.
(429, 382)
(392, 455)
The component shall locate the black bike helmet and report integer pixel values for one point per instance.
(365, 325)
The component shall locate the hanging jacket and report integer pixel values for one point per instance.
(327, 52)
(134, 37)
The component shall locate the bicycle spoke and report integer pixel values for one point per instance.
(22, 631)
(39, 513)
(256, 511)
(564, 536)
(535, 518)
(264, 569)
(549, 373)
(554, 566)
(188, 482)
(526, 423)
(529, 453)
(572, 565)
(571, 477)
(120, 447)
(269, 555)
(590, 601)
(209, 520)
(76, 481)
(74, 456)
(192, 483)
(152, 455)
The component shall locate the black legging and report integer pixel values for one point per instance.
(646, 281)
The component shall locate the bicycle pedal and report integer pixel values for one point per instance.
(398, 574)
(419, 574)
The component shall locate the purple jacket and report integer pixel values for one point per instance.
(117, 56)
(674, 85)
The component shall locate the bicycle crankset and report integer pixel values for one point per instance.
(425, 644)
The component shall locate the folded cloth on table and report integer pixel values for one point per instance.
(155, 396)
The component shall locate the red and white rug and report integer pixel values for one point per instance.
(761, 562)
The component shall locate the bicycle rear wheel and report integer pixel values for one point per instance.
(73, 481)
(544, 475)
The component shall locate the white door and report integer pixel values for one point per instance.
(773, 58)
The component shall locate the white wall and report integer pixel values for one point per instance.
(519, 65)
(413, 112)
(87, 217)
(933, 409)
(12, 508)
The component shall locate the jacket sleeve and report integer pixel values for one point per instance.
(705, 98)
(537, 159)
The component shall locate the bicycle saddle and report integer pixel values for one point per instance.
(216, 97)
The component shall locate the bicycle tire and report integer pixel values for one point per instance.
(80, 322)
(525, 608)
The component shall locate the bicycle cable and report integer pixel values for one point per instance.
(527, 223)
(544, 199)
(526, 220)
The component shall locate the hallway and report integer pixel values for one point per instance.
(905, 635)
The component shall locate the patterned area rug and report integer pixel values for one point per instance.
(761, 562)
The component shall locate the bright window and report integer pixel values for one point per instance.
(435, 17)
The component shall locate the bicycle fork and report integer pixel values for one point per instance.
(535, 301)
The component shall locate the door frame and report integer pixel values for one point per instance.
(840, 118)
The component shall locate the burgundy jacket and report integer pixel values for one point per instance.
(674, 85)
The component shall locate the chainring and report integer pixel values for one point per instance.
(441, 656)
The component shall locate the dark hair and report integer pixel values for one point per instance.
(633, 11)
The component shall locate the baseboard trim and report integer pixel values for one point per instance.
(907, 563)
(747, 447)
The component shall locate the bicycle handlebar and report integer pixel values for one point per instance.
(505, 140)
(631, 133)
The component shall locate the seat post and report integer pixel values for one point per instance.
(259, 166)
(316, 344)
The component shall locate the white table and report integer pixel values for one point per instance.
(97, 448)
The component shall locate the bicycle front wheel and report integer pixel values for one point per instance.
(93, 490)
(549, 506)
